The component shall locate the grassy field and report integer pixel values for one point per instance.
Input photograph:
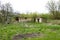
(49, 32)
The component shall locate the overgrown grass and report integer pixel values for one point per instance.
(51, 32)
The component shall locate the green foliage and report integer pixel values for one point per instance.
(46, 16)
(50, 32)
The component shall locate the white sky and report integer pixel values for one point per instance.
(28, 5)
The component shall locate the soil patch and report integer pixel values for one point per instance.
(20, 36)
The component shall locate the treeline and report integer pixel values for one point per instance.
(7, 14)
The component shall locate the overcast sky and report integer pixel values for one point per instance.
(28, 5)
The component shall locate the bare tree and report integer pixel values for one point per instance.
(52, 7)
(58, 4)
(6, 11)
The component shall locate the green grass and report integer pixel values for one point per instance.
(51, 32)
